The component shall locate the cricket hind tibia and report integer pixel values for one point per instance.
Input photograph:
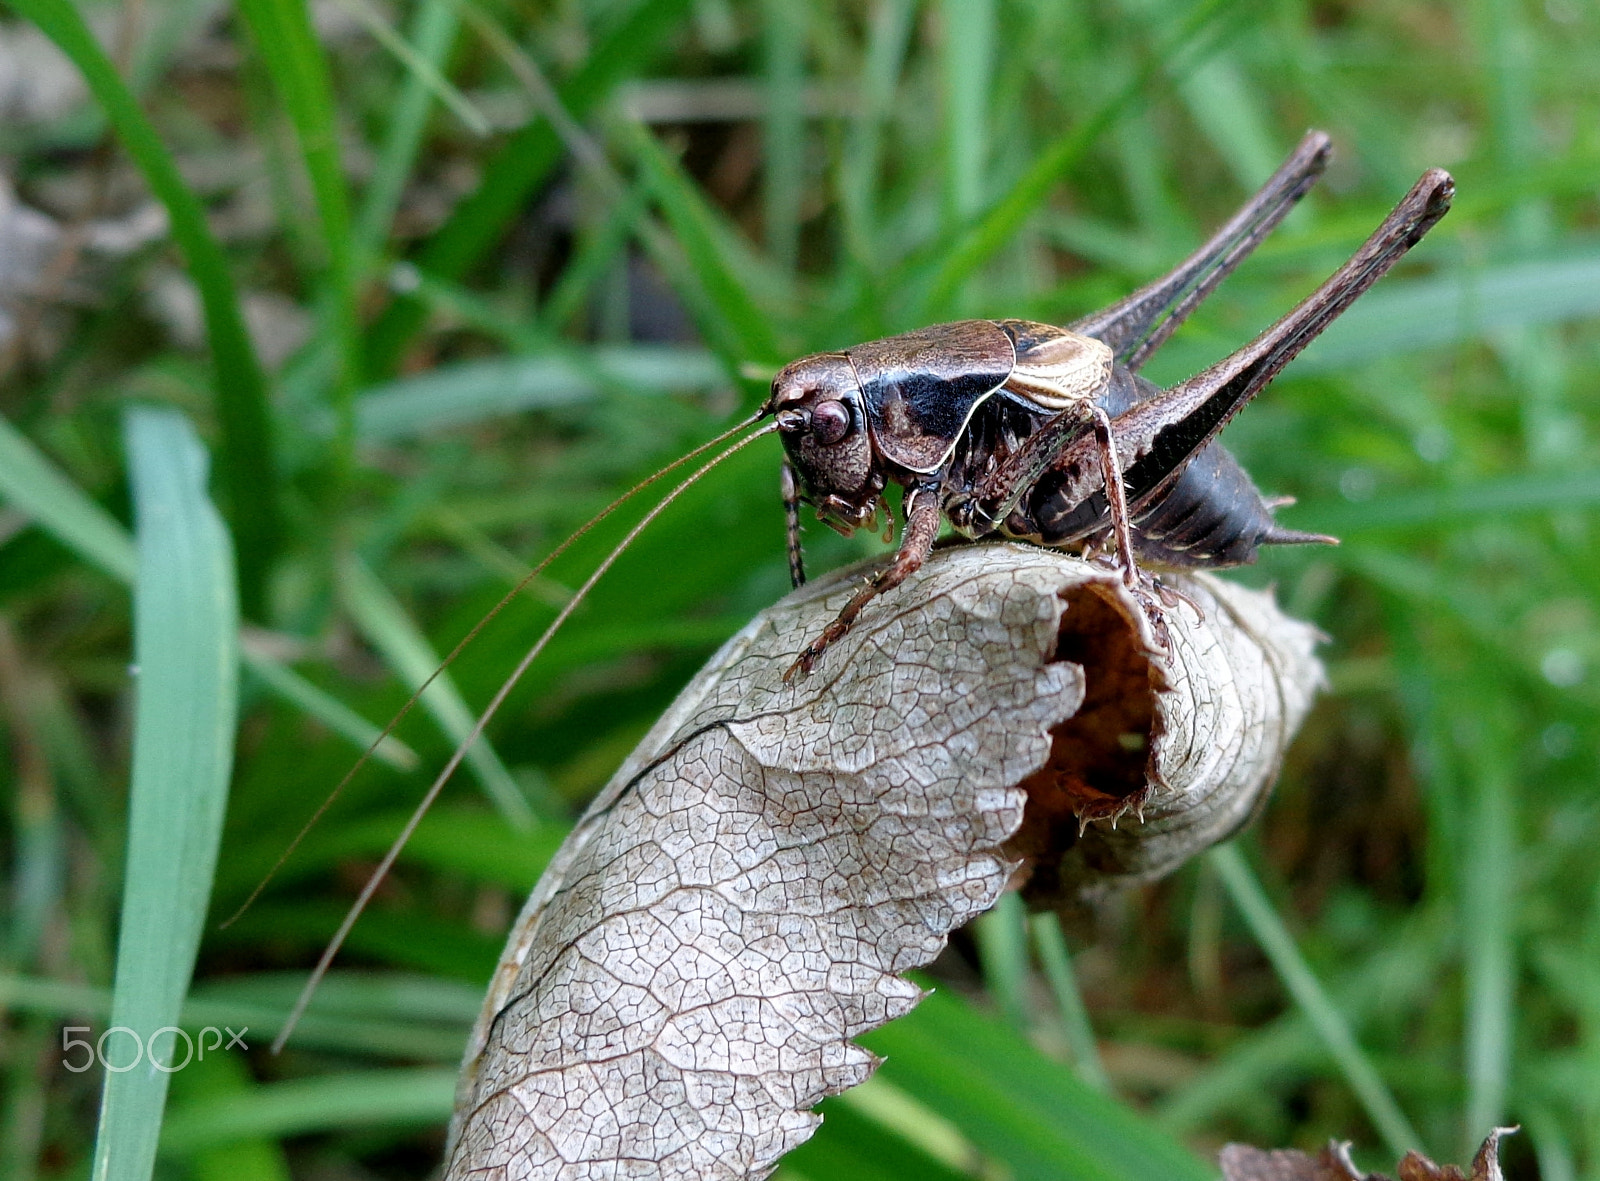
(1165, 432)
(1139, 324)
(1173, 427)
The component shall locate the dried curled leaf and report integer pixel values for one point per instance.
(1240, 1162)
(1186, 742)
(743, 898)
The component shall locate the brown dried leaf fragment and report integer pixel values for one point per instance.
(46, 265)
(1240, 1162)
(743, 898)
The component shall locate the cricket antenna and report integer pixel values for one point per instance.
(377, 876)
(416, 696)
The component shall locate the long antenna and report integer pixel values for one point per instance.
(416, 696)
(495, 702)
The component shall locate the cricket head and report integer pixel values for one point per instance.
(821, 415)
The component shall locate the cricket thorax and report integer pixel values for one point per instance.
(950, 398)
(1056, 368)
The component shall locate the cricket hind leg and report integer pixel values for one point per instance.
(1152, 597)
(1173, 429)
(1014, 503)
(1116, 495)
(1135, 327)
(1168, 431)
(1213, 515)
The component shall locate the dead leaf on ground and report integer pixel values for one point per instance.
(745, 895)
(45, 264)
(37, 81)
(1240, 1162)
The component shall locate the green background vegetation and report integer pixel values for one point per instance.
(526, 252)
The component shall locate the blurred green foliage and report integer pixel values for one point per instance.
(498, 260)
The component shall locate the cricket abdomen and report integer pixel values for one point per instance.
(1211, 515)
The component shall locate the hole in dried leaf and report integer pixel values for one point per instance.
(1098, 757)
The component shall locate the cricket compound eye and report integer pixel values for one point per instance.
(830, 422)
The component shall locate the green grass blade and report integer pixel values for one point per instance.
(1016, 1105)
(1003, 950)
(783, 129)
(862, 1140)
(470, 391)
(863, 154)
(966, 53)
(1399, 977)
(258, 1007)
(1467, 504)
(433, 33)
(33, 484)
(596, 256)
(288, 45)
(328, 710)
(364, 1099)
(256, 1159)
(467, 309)
(407, 651)
(422, 64)
(1461, 306)
(36, 870)
(612, 191)
(1506, 56)
(1551, 1147)
(185, 645)
(162, 37)
(742, 326)
(1220, 100)
(1200, 33)
(707, 286)
(1057, 963)
(248, 465)
(467, 843)
(1488, 903)
(521, 166)
(1275, 940)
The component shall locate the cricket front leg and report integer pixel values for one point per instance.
(791, 517)
(922, 511)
